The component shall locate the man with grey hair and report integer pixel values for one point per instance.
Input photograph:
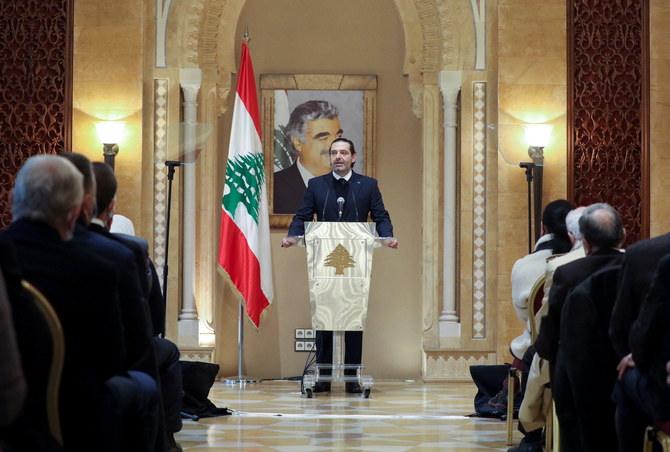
(311, 129)
(602, 234)
(50, 192)
(101, 401)
(81, 287)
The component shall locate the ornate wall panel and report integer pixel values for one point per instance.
(160, 119)
(479, 211)
(608, 108)
(35, 85)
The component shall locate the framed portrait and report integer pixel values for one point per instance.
(301, 116)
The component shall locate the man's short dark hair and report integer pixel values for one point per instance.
(309, 111)
(601, 226)
(345, 140)
(107, 185)
(83, 164)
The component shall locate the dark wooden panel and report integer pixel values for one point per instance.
(608, 110)
(35, 85)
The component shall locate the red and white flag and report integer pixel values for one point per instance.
(244, 241)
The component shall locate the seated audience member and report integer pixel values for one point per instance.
(527, 270)
(589, 359)
(642, 394)
(525, 273)
(82, 288)
(535, 371)
(134, 308)
(167, 353)
(638, 268)
(602, 234)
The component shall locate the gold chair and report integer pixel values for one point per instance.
(512, 375)
(57, 359)
(533, 305)
(655, 435)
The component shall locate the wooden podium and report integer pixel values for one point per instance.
(339, 262)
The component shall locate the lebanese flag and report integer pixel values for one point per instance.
(244, 241)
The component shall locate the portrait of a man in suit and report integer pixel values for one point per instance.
(302, 139)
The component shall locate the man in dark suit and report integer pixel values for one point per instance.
(134, 308)
(313, 125)
(167, 353)
(638, 268)
(141, 355)
(82, 288)
(642, 394)
(362, 197)
(602, 234)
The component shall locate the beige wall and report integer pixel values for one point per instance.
(107, 85)
(303, 36)
(531, 88)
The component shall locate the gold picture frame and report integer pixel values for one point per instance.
(354, 96)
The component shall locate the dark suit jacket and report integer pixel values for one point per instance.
(638, 269)
(133, 304)
(650, 334)
(288, 190)
(567, 277)
(147, 275)
(363, 199)
(81, 287)
(587, 359)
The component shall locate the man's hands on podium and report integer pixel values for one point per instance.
(391, 242)
(288, 242)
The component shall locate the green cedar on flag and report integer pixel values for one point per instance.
(244, 241)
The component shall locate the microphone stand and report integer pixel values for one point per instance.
(171, 165)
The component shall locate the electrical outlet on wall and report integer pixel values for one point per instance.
(299, 333)
(309, 333)
(299, 346)
(309, 346)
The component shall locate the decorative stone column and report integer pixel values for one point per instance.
(190, 81)
(450, 87)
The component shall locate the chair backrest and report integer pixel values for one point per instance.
(534, 304)
(57, 359)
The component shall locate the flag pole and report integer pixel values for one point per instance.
(240, 378)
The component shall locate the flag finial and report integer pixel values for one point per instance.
(245, 36)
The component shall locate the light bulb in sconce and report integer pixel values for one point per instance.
(537, 137)
(110, 133)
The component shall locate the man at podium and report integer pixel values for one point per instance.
(341, 195)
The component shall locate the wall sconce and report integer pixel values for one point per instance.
(110, 133)
(537, 137)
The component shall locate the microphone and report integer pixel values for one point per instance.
(340, 205)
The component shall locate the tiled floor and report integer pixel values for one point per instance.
(398, 416)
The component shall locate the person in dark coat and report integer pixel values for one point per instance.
(602, 234)
(639, 264)
(642, 393)
(80, 286)
(589, 359)
(167, 353)
(362, 198)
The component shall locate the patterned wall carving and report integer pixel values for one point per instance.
(35, 85)
(608, 108)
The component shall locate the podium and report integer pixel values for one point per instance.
(339, 262)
